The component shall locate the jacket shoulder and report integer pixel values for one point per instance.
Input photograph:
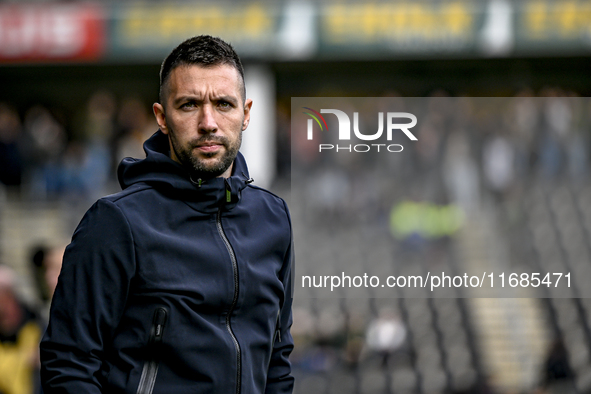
(109, 211)
(129, 192)
(268, 194)
(271, 197)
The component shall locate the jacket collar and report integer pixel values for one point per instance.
(169, 177)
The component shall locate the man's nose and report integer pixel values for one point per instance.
(207, 122)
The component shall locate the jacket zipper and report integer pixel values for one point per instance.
(234, 300)
(150, 370)
(277, 336)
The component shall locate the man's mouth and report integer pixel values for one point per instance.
(210, 147)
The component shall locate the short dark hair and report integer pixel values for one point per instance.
(201, 50)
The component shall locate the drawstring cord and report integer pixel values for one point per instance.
(249, 180)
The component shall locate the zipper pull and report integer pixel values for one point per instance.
(198, 183)
(228, 191)
(159, 322)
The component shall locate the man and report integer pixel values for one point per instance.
(181, 283)
(20, 331)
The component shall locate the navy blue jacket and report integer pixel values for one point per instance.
(174, 286)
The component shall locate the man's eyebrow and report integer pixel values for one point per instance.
(230, 99)
(191, 98)
(180, 99)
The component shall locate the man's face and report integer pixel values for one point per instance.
(203, 113)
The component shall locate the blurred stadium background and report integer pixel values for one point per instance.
(77, 80)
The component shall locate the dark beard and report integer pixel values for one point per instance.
(198, 169)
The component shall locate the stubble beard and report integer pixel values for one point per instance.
(199, 168)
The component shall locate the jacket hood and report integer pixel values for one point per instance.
(161, 172)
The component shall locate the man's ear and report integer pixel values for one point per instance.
(160, 117)
(247, 107)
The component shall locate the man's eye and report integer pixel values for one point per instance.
(224, 104)
(188, 105)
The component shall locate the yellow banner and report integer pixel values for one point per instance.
(162, 24)
(562, 19)
(369, 23)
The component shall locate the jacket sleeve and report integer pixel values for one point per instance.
(88, 302)
(279, 378)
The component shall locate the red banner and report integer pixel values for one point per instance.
(50, 32)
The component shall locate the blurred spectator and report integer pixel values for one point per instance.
(38, 254)
(10, 158)
(134, 126)
(385, 335)
(20, 333)
(416, 222)
(558, 118)
(578, 156)
(47, 263)
(79, 178)
(523, 120)
(99, 122)
(460, 174)
(44, 142)
(329, 195)
(87, 161)
(498, 164)
(53, 265)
